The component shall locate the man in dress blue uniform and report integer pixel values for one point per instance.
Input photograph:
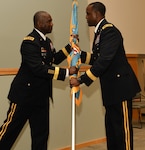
(118, 81)
(32, 87)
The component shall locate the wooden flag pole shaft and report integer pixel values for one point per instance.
(73, 121)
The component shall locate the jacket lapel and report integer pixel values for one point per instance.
(97, 34)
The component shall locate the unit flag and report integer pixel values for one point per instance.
(74, 57)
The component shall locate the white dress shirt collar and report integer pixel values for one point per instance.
(97, 26)
(41, 34)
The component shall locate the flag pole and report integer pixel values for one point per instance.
(73, 121)
(73, 61)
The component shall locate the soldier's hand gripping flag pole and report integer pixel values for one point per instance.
(74, 60)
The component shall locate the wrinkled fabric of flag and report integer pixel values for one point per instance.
(74, 57)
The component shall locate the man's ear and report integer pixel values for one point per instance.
(39, 24)
(95, 14)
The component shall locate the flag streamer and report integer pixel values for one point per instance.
(74, 57)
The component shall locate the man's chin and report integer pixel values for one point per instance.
(49, 32)
(90, 25)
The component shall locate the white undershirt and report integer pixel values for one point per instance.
(97, 26)
(41, 34)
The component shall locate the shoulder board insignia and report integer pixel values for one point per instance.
(107, 25)
(29, 38)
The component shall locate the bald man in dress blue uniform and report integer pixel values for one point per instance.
(31, 89)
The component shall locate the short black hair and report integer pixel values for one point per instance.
(98, 6)
(37, 16)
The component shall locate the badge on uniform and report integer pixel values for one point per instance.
(51, 46)
(43, 52)
(97, 39)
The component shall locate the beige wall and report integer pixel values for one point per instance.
(128, 16)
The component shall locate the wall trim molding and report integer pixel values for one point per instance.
(85, 144)
(13, 71)
(8, 71)
(83, 68)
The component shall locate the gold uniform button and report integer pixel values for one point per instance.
(29, 84)
(118, 75)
